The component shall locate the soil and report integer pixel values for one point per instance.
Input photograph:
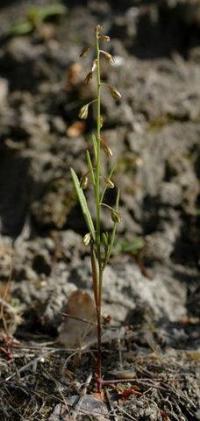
(151, 340)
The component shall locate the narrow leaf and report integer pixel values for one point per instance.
(94, 140)
(36, 14)
(90, 167)
(83, 203)
(22, 28)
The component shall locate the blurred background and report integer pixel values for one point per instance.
(154, 132)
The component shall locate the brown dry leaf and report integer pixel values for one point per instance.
(76, 129)
(78, 330)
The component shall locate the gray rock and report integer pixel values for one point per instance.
(3, 92)
(21, 49)
(125, 288)
(6, 258)
(170, 194)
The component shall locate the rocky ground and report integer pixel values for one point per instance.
(151, 287)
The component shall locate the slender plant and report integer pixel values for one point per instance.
(101, 242)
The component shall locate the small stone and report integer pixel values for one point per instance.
(3, 91)
(170, 194)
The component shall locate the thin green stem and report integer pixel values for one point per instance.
(90, 167)
(112, 239)
(98, 139)
(107, 206)
(98, 207)
(106, 187)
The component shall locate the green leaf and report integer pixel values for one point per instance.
(132, 247)
(83, 203)
(40, 14)
(35, 16)
(90, 167)
(94, 140)
(21, 28)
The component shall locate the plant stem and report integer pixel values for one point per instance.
(98, 139)
(95, 236)
(98, 209)
(97, 282)
(98, 373)
(109, 251)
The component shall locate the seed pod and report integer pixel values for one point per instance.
(116, 217)
(86, 239)
(109, 183)
(88, 77)
(84, 51)
(84, 182)
(114, 92)
(83, 113)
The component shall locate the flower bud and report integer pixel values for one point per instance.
(83, 113)
(106, 148)
(99, 29)
(115, 93)
(86, 239)
(84, 182)
(109, 183)
(116, 217)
